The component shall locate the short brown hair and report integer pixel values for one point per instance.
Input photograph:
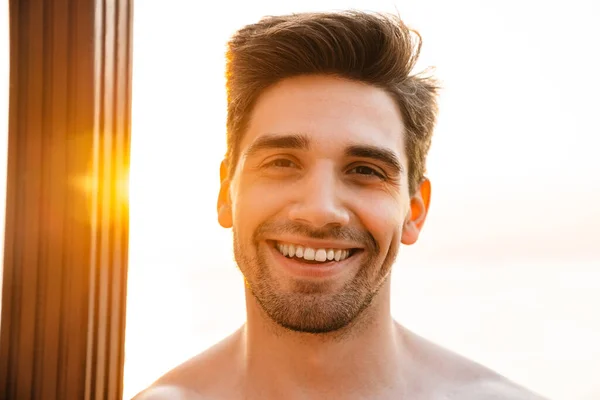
(375, 48)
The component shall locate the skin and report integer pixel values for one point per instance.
(304, 177)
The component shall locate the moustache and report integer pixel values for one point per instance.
(341, 233)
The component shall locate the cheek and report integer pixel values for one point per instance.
(254, 203)
(383, 218)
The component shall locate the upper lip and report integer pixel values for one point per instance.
(317, 244)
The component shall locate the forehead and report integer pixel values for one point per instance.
(332, 112)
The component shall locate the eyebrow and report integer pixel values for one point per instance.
(301, 142)
(376, 153)
(269, 142)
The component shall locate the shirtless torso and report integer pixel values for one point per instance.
(435, 374)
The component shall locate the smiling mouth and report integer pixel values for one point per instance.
(312, 255)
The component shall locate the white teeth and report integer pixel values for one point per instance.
(338, 255)
(330, 254)
(310, 254)
(321, 255)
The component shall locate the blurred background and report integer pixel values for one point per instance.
(507, 270)
(4, 76)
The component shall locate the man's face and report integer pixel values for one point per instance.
(319, 202)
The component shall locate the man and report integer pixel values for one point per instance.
(323, 180)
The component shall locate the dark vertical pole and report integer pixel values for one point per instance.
(66, 237)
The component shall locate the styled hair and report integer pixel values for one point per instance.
(374, 48)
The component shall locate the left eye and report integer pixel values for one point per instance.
(281, 163)
(368, 171)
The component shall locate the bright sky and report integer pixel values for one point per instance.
(506, 271)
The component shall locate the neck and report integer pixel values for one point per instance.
(366, 354)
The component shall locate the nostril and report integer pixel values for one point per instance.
(319, 213)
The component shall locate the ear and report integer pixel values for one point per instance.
(419, 205)
(224, 201)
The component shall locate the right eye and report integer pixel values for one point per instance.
(281, 163)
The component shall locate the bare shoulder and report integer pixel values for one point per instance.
(202, 377)
(498, 388)
(458, 377)
(167, 392)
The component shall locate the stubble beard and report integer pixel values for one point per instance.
(310, 307)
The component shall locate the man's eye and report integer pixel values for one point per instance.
(281, 163)
(367, 171)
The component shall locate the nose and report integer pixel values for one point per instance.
(319, 204)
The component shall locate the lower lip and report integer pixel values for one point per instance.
(306, 270)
